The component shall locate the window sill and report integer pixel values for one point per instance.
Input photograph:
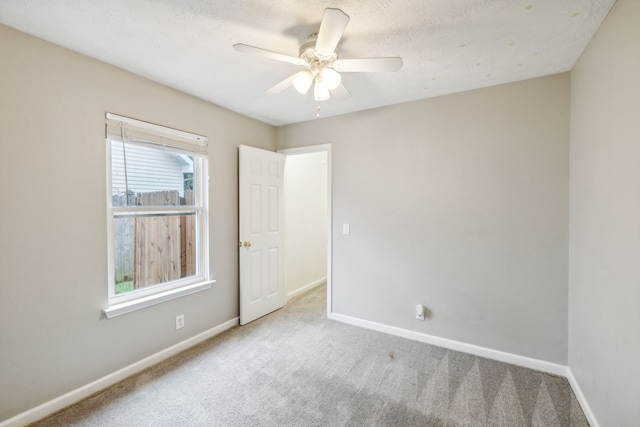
(144, 302)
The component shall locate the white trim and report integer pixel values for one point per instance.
(148, 210)
(306, 150)
(156, 128)
(153, 299)
(306, 287)
(87, 390)
(119, 304)
(327, 149)
(501, 356)
(591, 418)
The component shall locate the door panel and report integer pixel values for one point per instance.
(274, 271)
(255, 272)
(274, 209)
(261, 181)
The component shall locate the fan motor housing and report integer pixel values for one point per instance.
(308, 52)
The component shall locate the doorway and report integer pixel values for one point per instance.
(307, 219)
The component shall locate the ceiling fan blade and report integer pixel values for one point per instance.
(340, 93)
(245, 48)
(286, 83)
(368, 65)
(334, 22)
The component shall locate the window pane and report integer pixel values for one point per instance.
(150, 177)
(153, 249)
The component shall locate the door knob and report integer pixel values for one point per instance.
(246, 244)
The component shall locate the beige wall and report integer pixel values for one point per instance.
(459, 203)
(53, 247)
(604, 287)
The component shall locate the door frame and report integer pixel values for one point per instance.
(318, 149)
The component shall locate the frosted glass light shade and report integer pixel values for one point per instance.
(302, 81)
(330, 78)
(320, 91)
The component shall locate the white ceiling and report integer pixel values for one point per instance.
(447, 46)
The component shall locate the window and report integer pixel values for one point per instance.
(157, 212)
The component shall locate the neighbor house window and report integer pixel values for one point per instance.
(157, 212)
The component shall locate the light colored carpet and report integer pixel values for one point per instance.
(296, 368)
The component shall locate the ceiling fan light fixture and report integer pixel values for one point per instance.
(331, 78)
(322, 67)
(320, 91)
(302, 81)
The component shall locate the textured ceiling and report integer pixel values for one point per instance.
(447, 46)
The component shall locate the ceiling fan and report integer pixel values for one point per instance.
(322, 66)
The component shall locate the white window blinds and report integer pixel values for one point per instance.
(125, 129)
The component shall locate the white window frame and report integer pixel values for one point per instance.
(159, 137)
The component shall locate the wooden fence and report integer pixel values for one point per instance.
(152, 250)
(123, 248)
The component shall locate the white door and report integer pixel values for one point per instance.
(261, 209)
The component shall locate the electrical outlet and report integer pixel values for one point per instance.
(180, 321)
(419, 312)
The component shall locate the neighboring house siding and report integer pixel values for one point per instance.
(148, 170)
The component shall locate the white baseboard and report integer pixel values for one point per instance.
(78, 394)
(306, 288)
(591, 418)
(501, 356)
(74, 396)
